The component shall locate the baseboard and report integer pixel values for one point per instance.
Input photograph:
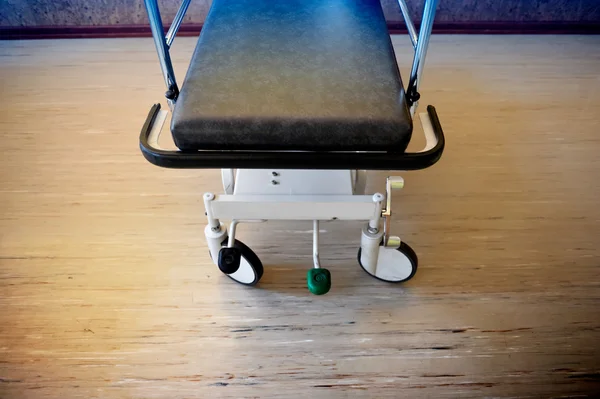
(122, 31)
(507, 28)
(81, 32)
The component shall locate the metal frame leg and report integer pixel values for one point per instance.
(177, 22)
(163, 44)
(421, 52)
(412, 32)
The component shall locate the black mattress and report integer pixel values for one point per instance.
(299, 75)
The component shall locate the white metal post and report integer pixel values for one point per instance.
(374, 222)
(369, 249)
(212, 221)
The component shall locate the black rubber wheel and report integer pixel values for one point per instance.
(251, 268)
(404, 251)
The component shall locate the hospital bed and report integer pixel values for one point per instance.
(294, 101)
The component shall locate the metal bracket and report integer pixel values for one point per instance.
(392, 183)
(232, 231)
(228, 179)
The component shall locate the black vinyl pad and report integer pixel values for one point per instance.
(300, 75)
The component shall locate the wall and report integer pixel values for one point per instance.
(29, 13)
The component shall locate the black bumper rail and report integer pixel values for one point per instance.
(291, 159)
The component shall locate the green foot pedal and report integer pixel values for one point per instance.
(319, 281)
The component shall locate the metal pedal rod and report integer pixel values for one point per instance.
(316, 260)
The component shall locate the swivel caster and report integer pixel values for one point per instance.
(394, 265)
(240, 263)
(318, 281)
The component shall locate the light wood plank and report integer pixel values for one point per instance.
(107, 290)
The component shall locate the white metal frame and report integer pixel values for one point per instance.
(258, 195)
(314, 207)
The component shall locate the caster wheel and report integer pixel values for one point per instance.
(248, 271)
(394, 265)
(319, 281)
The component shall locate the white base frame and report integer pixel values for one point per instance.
(311, 195)
(293, 207)
(317, 195)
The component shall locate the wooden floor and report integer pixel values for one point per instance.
(106, 290)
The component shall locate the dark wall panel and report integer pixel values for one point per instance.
(131, 12)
